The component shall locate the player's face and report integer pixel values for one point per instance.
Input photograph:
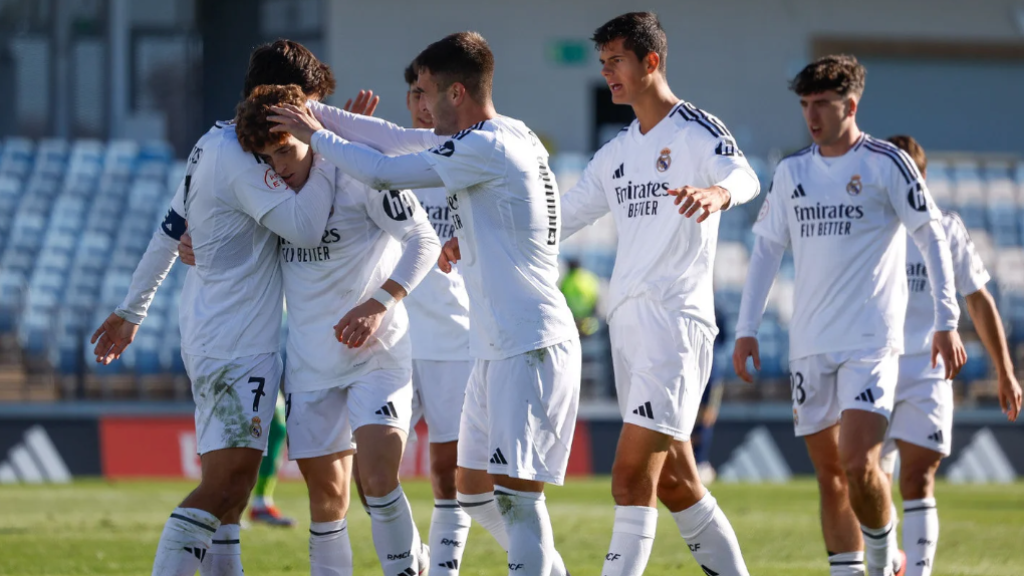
(438, 103)
(291, 159)
(827, 115)
(625, 73)
(421, 117)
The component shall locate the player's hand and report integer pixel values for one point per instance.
(450, 254)
(1009, 396)
(360, 323)
(112, 338)
(185, 252)
(947, 344)
(746, 347)
(365, 103)
(295, 120)
(705, 200)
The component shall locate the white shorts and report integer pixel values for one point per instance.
(322, 422)
(520, 414)
(826, 385)
(923, 414)
(439, 390)
(235, 400)
(662, 361)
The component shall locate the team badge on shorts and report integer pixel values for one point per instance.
(854, 186)
(256, 427)
(665, 160)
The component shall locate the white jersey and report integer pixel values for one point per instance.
(505, 208)
(231, 301)
(661, 254)
(357, 254)
(439, 307)
(845, 219)
(969, 275)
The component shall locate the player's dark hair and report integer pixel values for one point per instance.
(410, 74)
(909, 145)
(839, 72)
(641, 33)
(285, 62)
(463, 57)
(251, 124)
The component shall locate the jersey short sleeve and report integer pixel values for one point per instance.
(908, 192)
(396, 212)
(258, 190)
(969, 271)
(471, 157)
(772, 222)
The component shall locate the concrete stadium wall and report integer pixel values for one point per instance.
(731, 58)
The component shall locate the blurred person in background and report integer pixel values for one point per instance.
(261, 506)
(581, 289)
(921, 428)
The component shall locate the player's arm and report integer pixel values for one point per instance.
(379, 134)
(728, 177)
(585, 202)
(119, 329)
(405, 220)
(299, 218)
(970, 277)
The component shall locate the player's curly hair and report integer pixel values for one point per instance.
(909, 145)
(410, 74)
(251, 122)
(641, 33)
(287, 62)
(839, 72)
(463, 57)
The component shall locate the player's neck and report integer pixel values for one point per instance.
(843, 144)
(652, 105)
(475, 114)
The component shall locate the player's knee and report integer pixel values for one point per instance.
(673, 487)
(442, 476)
(378, 482)
(859, 469)
(831, 480)
(230, 494)
(631, 485)
(916, 482)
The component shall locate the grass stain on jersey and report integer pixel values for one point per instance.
(507, 508)
(536, 357)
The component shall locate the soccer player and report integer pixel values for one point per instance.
(236, 206)
(921, 428)
(843, 203)
(261, 505)
(521, 402)
(661, 301)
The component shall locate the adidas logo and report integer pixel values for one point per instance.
(199, 553)
(645, 410)
(866, 396)
(387, 410)
(708, 571)
(936, 437)
(498, 457)
(451, 564)
(799, 192)
(34, 460)
(757, 459)
(407, 572)
(619, 172)
(922, 562)
(981, 461)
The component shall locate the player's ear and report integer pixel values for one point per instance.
(851, 105)
(457, 93)
(651, 62)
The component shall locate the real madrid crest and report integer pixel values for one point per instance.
(665, 160)
(256, 427)
(854, 186)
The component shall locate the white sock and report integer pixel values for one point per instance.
(920, 535)
(711, 538)
(449, 530)
(225, 555)
(394, 534)
(632, 539)
(184, 542)
(879, 544)
(262, 502)
(531, 544)
(330, 551)
(483, 509)
(846, 564)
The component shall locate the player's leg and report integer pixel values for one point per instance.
(918, 466)
(440, 388)
(230, 411)
(866, 385)
(380, 407)
(704, 429)
(225, 555)
(320, 440)
(262, 508)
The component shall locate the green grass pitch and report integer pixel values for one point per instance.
(111, 528)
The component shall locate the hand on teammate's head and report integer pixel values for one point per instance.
(295, 120)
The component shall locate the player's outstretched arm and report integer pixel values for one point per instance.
(765, 261)
(379, 134)
(112, 338)
(585, 202)
(982, 309)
